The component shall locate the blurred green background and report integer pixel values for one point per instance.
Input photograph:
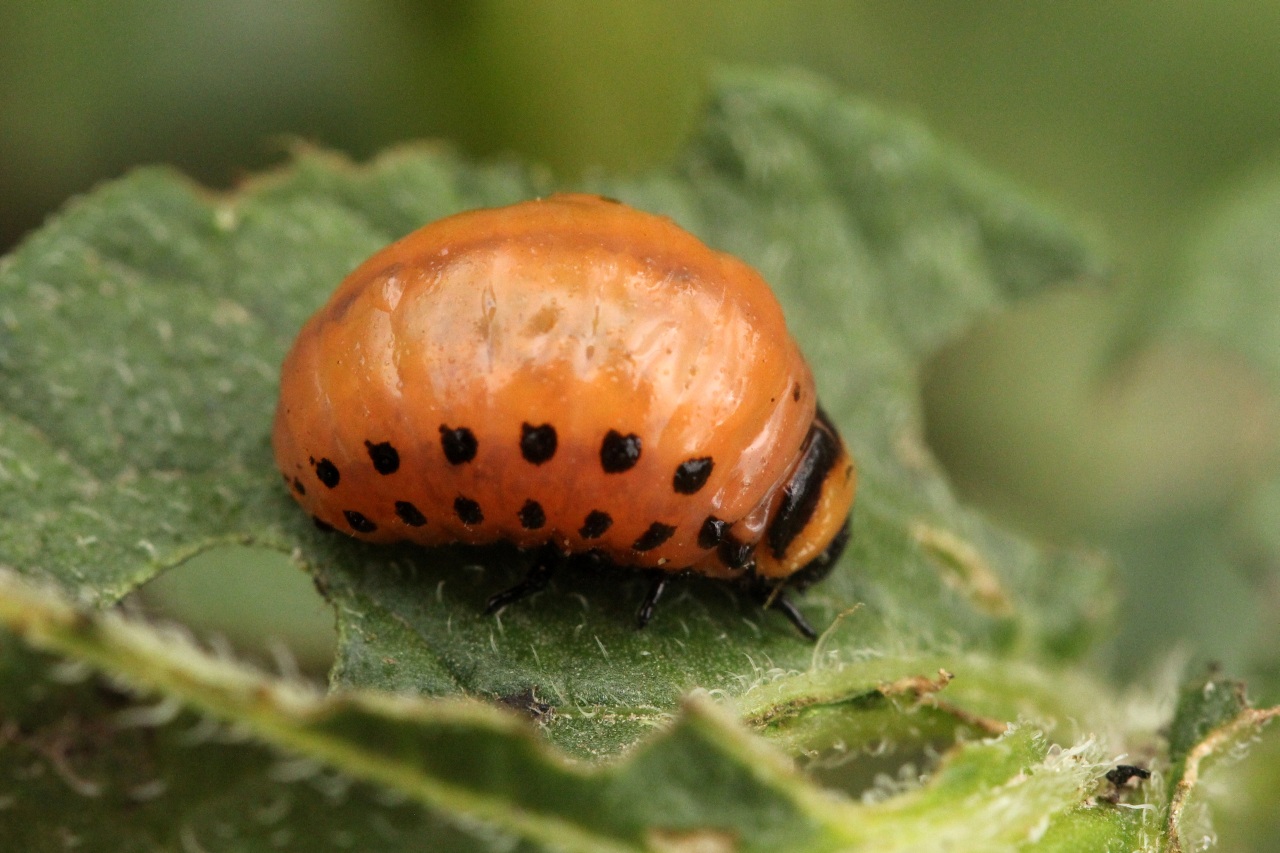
(1075, 418)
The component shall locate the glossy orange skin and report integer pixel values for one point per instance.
(573, 311)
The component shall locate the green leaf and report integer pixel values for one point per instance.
(701, 784)
(142, 329)
(464, 757)
(1204, 704)
(90, 765)
(1212, 729)
(140, 336)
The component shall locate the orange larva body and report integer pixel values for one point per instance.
(567, 371)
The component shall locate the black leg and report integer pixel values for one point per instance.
(645, 613)
(781, 602)
(545, 562)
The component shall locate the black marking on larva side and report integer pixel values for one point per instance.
(410, 514)
(468, 511)
(537, 443)
(321, 524)
(653, 537)
(384, 457)
(531, 515)
(327, 473)
(691, 475)
(712, 531)
(459, 444)
(800, 495)
(298, 487)
(735, 554)
(619, 452)
(358, 522)
(595, 525)
(795, 392)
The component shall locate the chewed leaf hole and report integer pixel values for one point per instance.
(255, 601)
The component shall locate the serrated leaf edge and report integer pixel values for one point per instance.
(291, 715)
(1247, 723)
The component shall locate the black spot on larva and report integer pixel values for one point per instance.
(358, 522)
(385, 458)
(531, 515)
(537, 443)
(735, 554)
(321, 524)
(795, 392)
(298, 487)
(327, 473)
(692, 475)
(619, 452)
(410, 514)
(459, 444)
(713, 530)
(653, 537)
(468, 511)
(595, 525)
